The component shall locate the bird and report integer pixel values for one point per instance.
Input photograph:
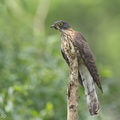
(73, 42)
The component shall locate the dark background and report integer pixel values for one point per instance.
(33, 74)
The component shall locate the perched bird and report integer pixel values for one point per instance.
(73, 42)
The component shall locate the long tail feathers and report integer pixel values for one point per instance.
(90, 91)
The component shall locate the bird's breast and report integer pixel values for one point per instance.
(67, 46)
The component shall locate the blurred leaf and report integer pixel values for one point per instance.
(107, 73)
(49, 106)
(34, 113)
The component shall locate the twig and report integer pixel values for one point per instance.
(40, 17)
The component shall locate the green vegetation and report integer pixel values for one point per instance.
(33, 74)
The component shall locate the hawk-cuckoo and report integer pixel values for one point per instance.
(73, 43)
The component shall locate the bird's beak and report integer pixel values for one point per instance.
(52, 26)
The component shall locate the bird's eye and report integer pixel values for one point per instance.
(60, 24)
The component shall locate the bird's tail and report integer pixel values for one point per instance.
(90, 91)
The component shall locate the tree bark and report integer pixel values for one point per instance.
(72, 91)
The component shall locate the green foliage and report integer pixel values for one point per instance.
(33, 74)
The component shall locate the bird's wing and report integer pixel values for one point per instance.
(87, 57)
(67, 61)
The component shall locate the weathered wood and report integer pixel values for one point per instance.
(72, 91)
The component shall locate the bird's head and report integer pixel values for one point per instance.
(60, 25)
